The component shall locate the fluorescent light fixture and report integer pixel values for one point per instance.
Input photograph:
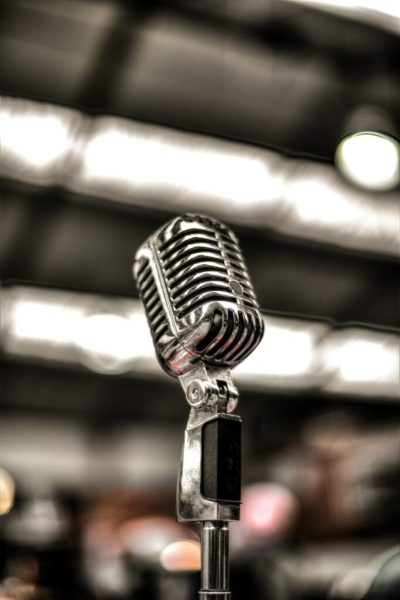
(36, 140)
(150, 166)
(388, 7)
(286, 356)
(318, 201)
(68, 327)
(382, 13)
(110, 343)
(111, 336)
(41, 321)
(288, 352)
(363, 361)
(321, 201)
(370, 160)
(284, 351)
(132, 156)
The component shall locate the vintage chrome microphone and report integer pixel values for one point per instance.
(204, 319)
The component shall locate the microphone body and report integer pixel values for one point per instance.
(204, 319)
(197, 295)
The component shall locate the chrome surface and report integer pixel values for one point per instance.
(220, 399)
(212, 595)
(204, 319)
(191, 505)
(214, 560)
(197, 294)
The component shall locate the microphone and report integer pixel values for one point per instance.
(197, 295)
(204, 319)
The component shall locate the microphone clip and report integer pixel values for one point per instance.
(210, 475)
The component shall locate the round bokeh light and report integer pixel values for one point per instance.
(7, 492)
(370, 160)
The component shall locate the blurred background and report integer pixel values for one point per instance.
(280, 118)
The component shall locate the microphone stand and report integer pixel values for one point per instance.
(214, 561)
(209, 482)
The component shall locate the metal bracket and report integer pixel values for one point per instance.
(210, 389)
(211, 394)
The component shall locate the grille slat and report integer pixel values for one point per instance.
(160, 333)
(249, 340)
(213, 331)
(157, 321)
(195, 279)
(185, 243)
(188, 252)
(228, 353)
(151, 301)
(186, 233)
(197, 262)
(213, 287)
(230, 327)
(193, 260)
(204, 267)
(153, 304)
(205, 298)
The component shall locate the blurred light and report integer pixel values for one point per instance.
(143, 165)
(44, 321)
(39, 522)
(65, 326)
(383, 13)
(37, 140)
(366, 361)
(317, 200)
(286, 354)
(146, 537)
(370, 160)
(108, 342)
(110, 335)
(154, 160)
(15, 589)
(357, 582)
(268, 514)
(7, 492)
(362, 360)
(387, 6)
(184, 555)
(102, 562)
(268, 509)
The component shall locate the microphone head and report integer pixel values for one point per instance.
(197, 294)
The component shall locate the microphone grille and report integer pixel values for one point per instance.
(197, 294)
(203, 263)
(151, 299)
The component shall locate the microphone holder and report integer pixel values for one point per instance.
(210, 476)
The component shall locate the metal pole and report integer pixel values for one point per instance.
(215, 561)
